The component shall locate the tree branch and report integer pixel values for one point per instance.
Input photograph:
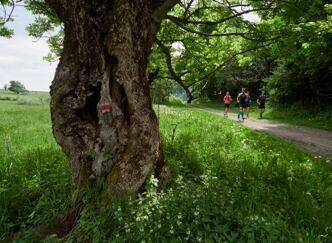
(57, 6)
(153, 75)
(44, 7)
(228, 60)
(159, 14)
(171, 70)
(243, 35)
(6, 17)
(220, 21)
(186, 10)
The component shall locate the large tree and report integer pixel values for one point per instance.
(16, 87)
(100, 102)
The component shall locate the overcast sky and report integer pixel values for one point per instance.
(21, 56)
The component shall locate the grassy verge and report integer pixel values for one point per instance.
(34, 174)
(296, 115)
(229, 184)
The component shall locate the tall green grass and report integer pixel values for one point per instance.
(317, 117)
(230, 184)
(33, 171)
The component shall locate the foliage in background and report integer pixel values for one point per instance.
(17, 87)
(201, 39)
(6, 12)
(161, 90)
(233, 77)
(295, 67)
(46, 25)
(302, 54)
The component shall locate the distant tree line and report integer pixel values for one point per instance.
(15, 86)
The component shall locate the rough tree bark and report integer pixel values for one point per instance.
(100, 103)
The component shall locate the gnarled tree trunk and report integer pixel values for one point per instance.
(100, 103)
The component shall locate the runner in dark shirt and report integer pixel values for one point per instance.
(261, 104)
(241, 99)
(248, 103)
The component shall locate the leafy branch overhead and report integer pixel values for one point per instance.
(6, 11)
(199, 38)
(207, 35)
(204, 37)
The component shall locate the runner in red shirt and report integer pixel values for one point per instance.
(227, 102)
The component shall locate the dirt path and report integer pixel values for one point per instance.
(316, 141)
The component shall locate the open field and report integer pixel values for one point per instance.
(30, 98)
(229, 184)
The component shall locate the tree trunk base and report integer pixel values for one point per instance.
(64, 225)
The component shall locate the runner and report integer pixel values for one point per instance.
(241, 100)
(261, 104)
(227, 102)
(248, 103)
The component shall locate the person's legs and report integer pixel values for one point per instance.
(247, 111)
(241, 113)
(226, 110)
(261, 111)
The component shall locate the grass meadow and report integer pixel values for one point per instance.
(29, 98)
(230, 184)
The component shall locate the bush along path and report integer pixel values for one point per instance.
(313, 140)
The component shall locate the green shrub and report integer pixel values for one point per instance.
(200, 101)
(175, 101)
(6, 98)
(25, 100)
